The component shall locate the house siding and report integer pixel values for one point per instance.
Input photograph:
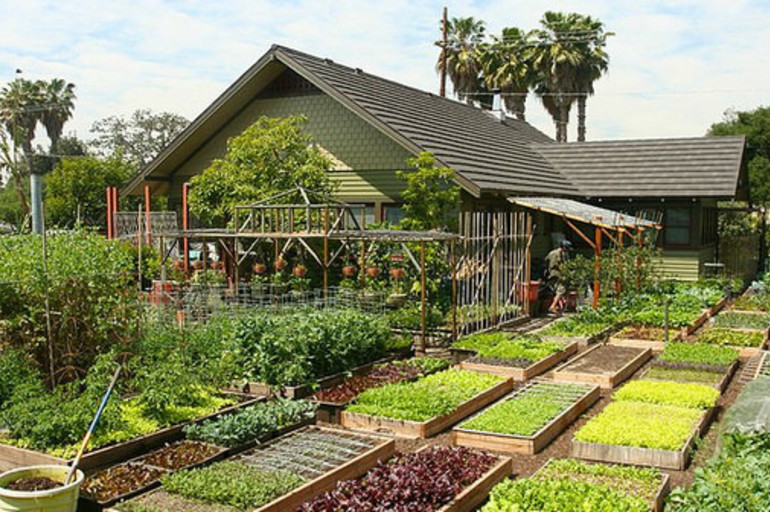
(365, 160)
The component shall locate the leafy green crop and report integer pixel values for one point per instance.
(559, 495)
(696, 396)
(698, 353)
(232, 483)
(640, 482)
(583, 324)
(522, 347)
(251, 423)
(721, 336)
(742, 320)
(481, 340)
(435, 395)
(683, 375)
(756, 302)
(662, 427)
(528, 411)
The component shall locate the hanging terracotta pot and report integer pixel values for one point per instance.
(218, 265)
(349, 271)
(199, 264)
(299, 271)
(259, 268)
(373, 272)
(179, 265)
(280, 264)
(397, 273)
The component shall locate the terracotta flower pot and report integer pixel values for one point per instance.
(179, 265)
(199, 264)
(397, 273)
(349, 271)
(259, 268)
(373, 272)
(299, 271)
(218, 265)
(280, 265)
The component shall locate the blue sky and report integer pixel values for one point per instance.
(675, 67)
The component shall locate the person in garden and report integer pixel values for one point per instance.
(554, 261)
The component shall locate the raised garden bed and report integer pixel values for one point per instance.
(641, 336)
(743, 320)
(12, 456)
(305, 390)
(299, 466)
(409, 481)
(412, 409)
(124, 481)
(569, 330)
(717, 377)
(331, 401)
(697, 323)
(518, 369)
(649, 484)
(747, 341)
(528, 419)
(605, 365)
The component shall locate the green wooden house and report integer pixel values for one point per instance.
(370, 126)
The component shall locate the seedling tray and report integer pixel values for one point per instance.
(512, 443)
(664, 459)
(428, 428)
(522, 374)
(608, 377)
(12, 457)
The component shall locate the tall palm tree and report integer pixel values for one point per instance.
(593, 65)
(464, 36)
(506, 66)
(58, 98)
(556, 58)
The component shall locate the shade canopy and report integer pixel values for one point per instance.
(582, 212)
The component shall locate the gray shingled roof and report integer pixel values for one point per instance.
(491, 155)
(694, 167)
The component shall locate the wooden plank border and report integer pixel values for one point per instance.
(530, 445)
(522, 374)
(665, 459)
(474, 495)
(428, 428)
(605, 380)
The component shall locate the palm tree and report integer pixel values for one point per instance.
(506, 66)
(594, 64)
(58, 97)
(464, 36)
(556, 58)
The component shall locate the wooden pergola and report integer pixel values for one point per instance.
(614, 225)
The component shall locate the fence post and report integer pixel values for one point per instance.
(527, 267)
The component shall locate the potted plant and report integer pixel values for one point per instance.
(280, 264)
(259, 268)
(299, 270)
(397, 297)
(373, 272)
(397, 273)
(218, 265)
(349, 271)
(198, 265)
(60, 496)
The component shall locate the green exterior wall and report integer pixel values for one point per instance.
(365, 159)
(686, 265)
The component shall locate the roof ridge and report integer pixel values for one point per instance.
(654, 139)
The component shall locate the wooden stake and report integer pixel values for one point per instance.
(597, 266)
(422, 298)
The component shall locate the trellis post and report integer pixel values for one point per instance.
(453, 263)
(147, 207)
(528, 267)
(422, 298)
(185, 227)
(597, 265)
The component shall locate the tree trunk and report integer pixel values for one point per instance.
(17, 178)
(581, 136)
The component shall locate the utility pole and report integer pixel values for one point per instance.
(442, 74)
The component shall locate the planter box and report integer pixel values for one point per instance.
(747, 352)
(522, 374)
(474, 495)
(305, 390)
(582, 341)
(12, 457)
(657, 504)
(607, 380)
(695, 325)
(428, 428)
(511, 443)
(666, 459)
(326, 482)
(723, 382)
(716, 308)
(461, 354)
(657, 346)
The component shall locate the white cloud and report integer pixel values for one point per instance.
(675, 67)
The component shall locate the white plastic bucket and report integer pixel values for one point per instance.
(61, 499)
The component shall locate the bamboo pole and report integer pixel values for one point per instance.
(453, 263)
(147, 207)
(619, 258)
(326, 252)
(109, 213)
(528, 267)
(597, 265)
(185, 227)
(423, 298)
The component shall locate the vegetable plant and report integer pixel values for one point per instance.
(527, 347)
(436, 395)
(481, 340)
(251, 423)
(721, 336)
(526, 412)
(695, 396)
(423, 481)
(733, 319)
(683, 375)
(232, 483)
(698, 353)
(643, 425)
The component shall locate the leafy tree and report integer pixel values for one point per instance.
(431, 197)
(755, 125)
(464, 36)
(273, 155)
(75, 189)
(138, 138)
